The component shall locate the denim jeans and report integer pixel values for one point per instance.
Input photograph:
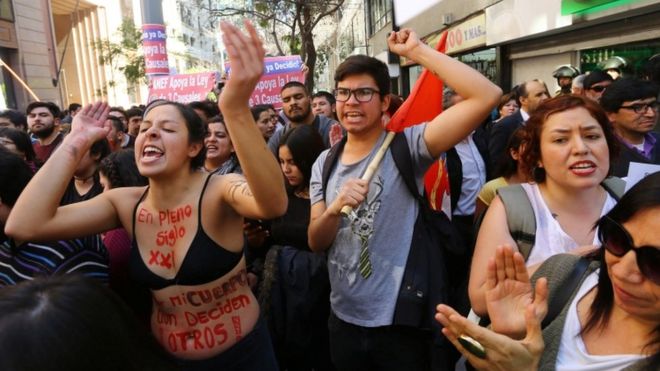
(396, 348)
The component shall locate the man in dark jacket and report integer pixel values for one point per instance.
(529, 95)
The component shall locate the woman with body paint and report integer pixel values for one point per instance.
(186, 224)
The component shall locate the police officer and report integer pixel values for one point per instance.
(614, 66)
(564, 75)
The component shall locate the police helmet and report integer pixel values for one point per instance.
(565, 71)
(614, 63)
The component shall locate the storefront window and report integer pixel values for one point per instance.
(6, 12)
(636, 56)
(482, 61)
(413, 75)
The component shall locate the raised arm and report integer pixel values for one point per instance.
(478, 93)
(261, 195)
(493, 232)
(37, 216)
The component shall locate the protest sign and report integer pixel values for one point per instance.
(155, 50)
(182, 88)
(277, 72)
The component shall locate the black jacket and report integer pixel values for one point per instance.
(500, 134)
(627, 155)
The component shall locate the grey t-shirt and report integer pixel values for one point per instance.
(384, 221)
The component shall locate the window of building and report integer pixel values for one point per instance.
(483, 61)
(636, 55)
(7, 94)
(6, 11)
(380, 14)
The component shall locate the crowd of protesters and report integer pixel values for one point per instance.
(166, 236)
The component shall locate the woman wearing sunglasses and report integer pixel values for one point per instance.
(567, 151)
(611, 321)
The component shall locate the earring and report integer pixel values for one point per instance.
(538, 173)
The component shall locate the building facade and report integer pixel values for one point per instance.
(511, 41)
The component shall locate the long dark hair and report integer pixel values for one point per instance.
(120, 169)
(507, 166)
(21, 140)
(305, 144)
(644, 195)
(70, 322)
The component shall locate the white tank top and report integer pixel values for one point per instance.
(550, 238)
(572, 354)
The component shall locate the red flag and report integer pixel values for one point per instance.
(423, 104)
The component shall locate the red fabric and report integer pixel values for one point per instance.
(424, 104)
(118, 243)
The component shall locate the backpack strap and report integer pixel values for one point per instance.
(401, 155)
(568, 287)
(330, 161)
(614, 186)
(519, 216)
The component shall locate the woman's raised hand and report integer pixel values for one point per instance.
(90, 123)
(509, 292)
(501, 352)
(246, 56)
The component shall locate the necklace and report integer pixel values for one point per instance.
(302, 194)
(84, 180)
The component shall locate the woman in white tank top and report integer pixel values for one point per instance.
(568, 148)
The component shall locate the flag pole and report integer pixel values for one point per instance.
(20, 81)
(375, 162)
(373, 166)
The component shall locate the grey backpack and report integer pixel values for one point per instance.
(520, 215)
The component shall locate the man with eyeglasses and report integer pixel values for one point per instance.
(595, 83)
(297, 108)
(367, 249)
(632, 107)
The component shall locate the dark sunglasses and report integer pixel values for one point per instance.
(618, 242)
(598, 88)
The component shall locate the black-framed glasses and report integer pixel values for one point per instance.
(640, 108)
(617, 241)
(363, 95)
(598, 88)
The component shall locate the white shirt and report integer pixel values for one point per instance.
(474, 175)
(525, 115)
(550, 237)
(572, 354)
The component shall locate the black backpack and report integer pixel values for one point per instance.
(425, 282)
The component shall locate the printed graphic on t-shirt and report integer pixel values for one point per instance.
(361, 224)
